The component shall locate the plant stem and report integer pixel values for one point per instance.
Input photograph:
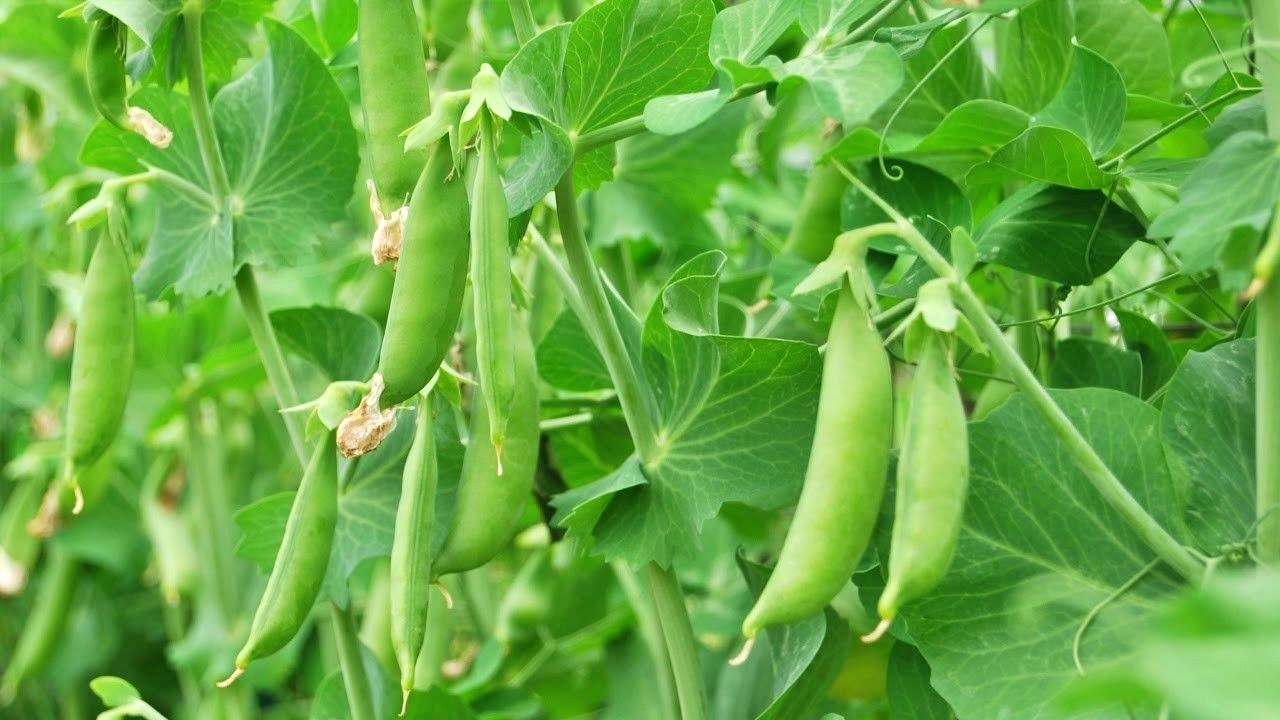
(359, 696)
(682, 651)
(1266, 38)
(602, 325)
(198, 99)
(264, 337)
(650, 631)
(1195, 112)
(1086, 458)
(1027, 335)
(522, 19)
(204, 464)
(608, 135)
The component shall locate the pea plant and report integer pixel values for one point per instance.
(640, 359)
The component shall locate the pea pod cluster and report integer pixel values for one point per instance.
(300, 563)
(410, 577)
(491, 285)
(845, 479)
(932, 480)
(489, 505)
(102, 361)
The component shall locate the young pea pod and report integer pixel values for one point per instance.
(300, 564)
(105, 71)
(818, 218)
(45, 624)
(489, 505)
(430, 282)
(18, 548)
(933, 478)
(102, 362)
(411, 550)
(845, 480)
(491, 283)
(394, 94)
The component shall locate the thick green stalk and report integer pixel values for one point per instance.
(636, 402)
(1086, 458)
(601, 324)
(264, 338)
(682, 651)
(359, 696)
(1266, 38)
(522, 19)
(650, 631)
(198, 99)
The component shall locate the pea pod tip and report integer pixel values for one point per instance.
(235, 675)
(744, 653)
(878, 632)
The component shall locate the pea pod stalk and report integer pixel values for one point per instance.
(845, 479)
(491, 285)
(410, 577)
(300, 563)
(933, 478)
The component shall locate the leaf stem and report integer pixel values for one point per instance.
(682, 651)
(1195, 112)
(264, 337)
(1086, 458)
(608, 135)
(603, 326)
(522, 19)
(359, 696)
(198, 98)
(1266, 35)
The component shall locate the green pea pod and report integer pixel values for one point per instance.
(933, 478)
(300, 564)
(45, 624)
(431, 281)
(394, 94)
(105, 71)
(488, 508)
(491, 283)
(411, 549)
(818, 220)
(845, 480)
(102, 361)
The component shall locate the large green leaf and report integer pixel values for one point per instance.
(342, 343)
(1234, 188)
(1131, 38)
(734, 422)
(1040, 549)
(1068, 236)
(1085, 362)
(745, 31)
(621, 53)
(849, 82)
(1034, 51)
(1208, 432)
(289, 148)
(1091, 102)
(911, 697)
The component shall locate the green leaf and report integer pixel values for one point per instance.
(342, 343)
(330, 701)
(675, 114)
(828, 18)
(436, 703)
(286, 187)
(1090, 104)
(114, 691)
(568, 359)
(1039, 549)
(940, 87)
(1055, 233)
(850, 82)
(1214, 652)
(1235, 187)
(531, 82)
(1084, 362)
(545, 155)
(1044, 154)
(1130, 38)
(1207, 425)
(608, 77)
(34, 48)
(1034, 52)
(911, 39)
(747, 30)
(911, 697)
(735, 420)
